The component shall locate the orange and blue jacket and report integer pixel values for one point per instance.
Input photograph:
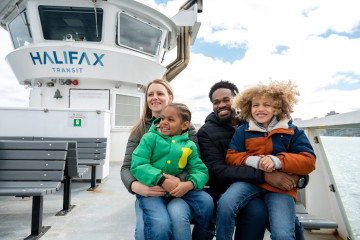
(285, 141)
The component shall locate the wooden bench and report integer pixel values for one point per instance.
(72, 170)
(91, 152)
(32, 169)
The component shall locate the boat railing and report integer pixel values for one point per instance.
(333, 192)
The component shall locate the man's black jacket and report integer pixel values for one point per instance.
(214, 139)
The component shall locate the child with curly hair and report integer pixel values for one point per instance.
(267, 141)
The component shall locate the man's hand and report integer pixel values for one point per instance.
(182, 188)
(281, 180)
(169, 185)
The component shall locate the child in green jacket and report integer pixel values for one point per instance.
(166, 150)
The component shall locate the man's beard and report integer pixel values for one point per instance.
(228, 119)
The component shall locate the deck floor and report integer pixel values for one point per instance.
(106, 213)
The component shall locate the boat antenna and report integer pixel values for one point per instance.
(96, 22)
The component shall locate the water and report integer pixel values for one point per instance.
(343, 154)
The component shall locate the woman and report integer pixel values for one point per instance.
(158, 95)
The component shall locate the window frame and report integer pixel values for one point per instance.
(158, 51)
(114, 95)
(100, 30)
(27, 25)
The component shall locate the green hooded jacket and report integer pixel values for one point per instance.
(157, 154)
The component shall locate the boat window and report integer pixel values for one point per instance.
(127, 110)
(138, 35)
(341, 146)
(71, 23)
(20, 31)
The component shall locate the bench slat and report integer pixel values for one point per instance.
(36, 154)
(31, 164)
(28, 184)
(26, 192)
(32, 175)
(91, 145)
(17, 138)
(90, 162)
(91, 150)
(34, 145)
(91, 156)
(84, 140)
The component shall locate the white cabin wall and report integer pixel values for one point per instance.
(118, 141)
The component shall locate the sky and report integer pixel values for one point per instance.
(315, 44)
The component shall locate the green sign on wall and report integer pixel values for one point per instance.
(77, 122)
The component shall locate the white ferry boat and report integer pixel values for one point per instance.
(87, 63)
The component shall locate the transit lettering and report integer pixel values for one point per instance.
(67, 70)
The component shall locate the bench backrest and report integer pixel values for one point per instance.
(87, 148)
(32, 160)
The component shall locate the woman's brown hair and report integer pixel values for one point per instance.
(140, 127)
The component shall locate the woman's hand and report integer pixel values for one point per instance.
(143, 190)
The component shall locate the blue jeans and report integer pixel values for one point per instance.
(252, 221)
(180, 214)
(282, 215)
(157, 221)
(281, 210)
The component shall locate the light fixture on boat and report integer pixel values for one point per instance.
(139, 87)
(27, 84)
(68, 37)
(69, 82)
(57, 94)
(50, 84)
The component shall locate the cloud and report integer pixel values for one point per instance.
(346, 81)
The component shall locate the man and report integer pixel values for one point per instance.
(214, 138)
